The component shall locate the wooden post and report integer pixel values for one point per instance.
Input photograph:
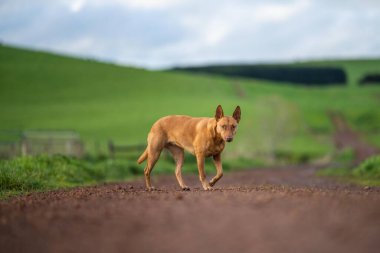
(69, 147)
(24, 147)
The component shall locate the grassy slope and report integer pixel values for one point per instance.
(100, 100)
(104, 101)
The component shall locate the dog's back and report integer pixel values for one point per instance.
(180, 130)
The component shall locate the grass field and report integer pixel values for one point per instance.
(104, 101)
(280, 122)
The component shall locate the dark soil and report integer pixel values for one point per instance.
(275, 210)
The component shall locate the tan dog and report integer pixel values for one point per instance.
(203, 137)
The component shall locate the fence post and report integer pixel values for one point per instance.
(24, 147)
(69, 147)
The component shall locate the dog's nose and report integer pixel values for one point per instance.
(229, 139)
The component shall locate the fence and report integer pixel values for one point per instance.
(9, 149)
(130, 151)
(35, 142)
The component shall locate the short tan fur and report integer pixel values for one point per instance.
(202, 137)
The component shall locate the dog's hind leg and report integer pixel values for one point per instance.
(152, 159)
(154, 148)
(178, 155)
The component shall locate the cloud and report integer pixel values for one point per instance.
(157, 34)
(76, 5)
(276, 12)
(150, 4)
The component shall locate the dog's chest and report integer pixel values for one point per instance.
(214, 148)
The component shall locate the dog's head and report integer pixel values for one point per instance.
(227, 126)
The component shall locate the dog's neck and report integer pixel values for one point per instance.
(214, 133)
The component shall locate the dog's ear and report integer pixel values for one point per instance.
(237, 114)
(219, 113)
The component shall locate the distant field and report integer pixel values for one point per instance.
(105, 101)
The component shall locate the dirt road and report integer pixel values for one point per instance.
(345, 137)
(276, 210)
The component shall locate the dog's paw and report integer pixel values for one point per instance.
(150, 189)
(212, 183)
(207, 187)
(186, 188)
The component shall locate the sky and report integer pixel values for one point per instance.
(158, 34)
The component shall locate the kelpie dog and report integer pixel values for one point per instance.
(203, 137)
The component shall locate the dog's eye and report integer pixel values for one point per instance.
(233, 127)
(224, 127)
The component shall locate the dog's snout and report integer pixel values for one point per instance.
(229, 139)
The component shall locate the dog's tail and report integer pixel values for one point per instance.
(143, 157)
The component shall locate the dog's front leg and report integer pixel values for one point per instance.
(219, 169)
(201, 169)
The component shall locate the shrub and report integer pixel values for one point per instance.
(48, 172)
(373, 78)
(370, 168)
(281, 73)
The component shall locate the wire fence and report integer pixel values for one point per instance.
(34, 142)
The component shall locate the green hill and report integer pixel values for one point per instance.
(104, 101)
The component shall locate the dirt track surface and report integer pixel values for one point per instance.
(275, 210)
(345, 137)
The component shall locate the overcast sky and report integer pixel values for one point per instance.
(164, 33)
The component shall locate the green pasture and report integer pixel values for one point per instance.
(104, 101)
(281, 123)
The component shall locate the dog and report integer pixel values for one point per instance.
(202, 137)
